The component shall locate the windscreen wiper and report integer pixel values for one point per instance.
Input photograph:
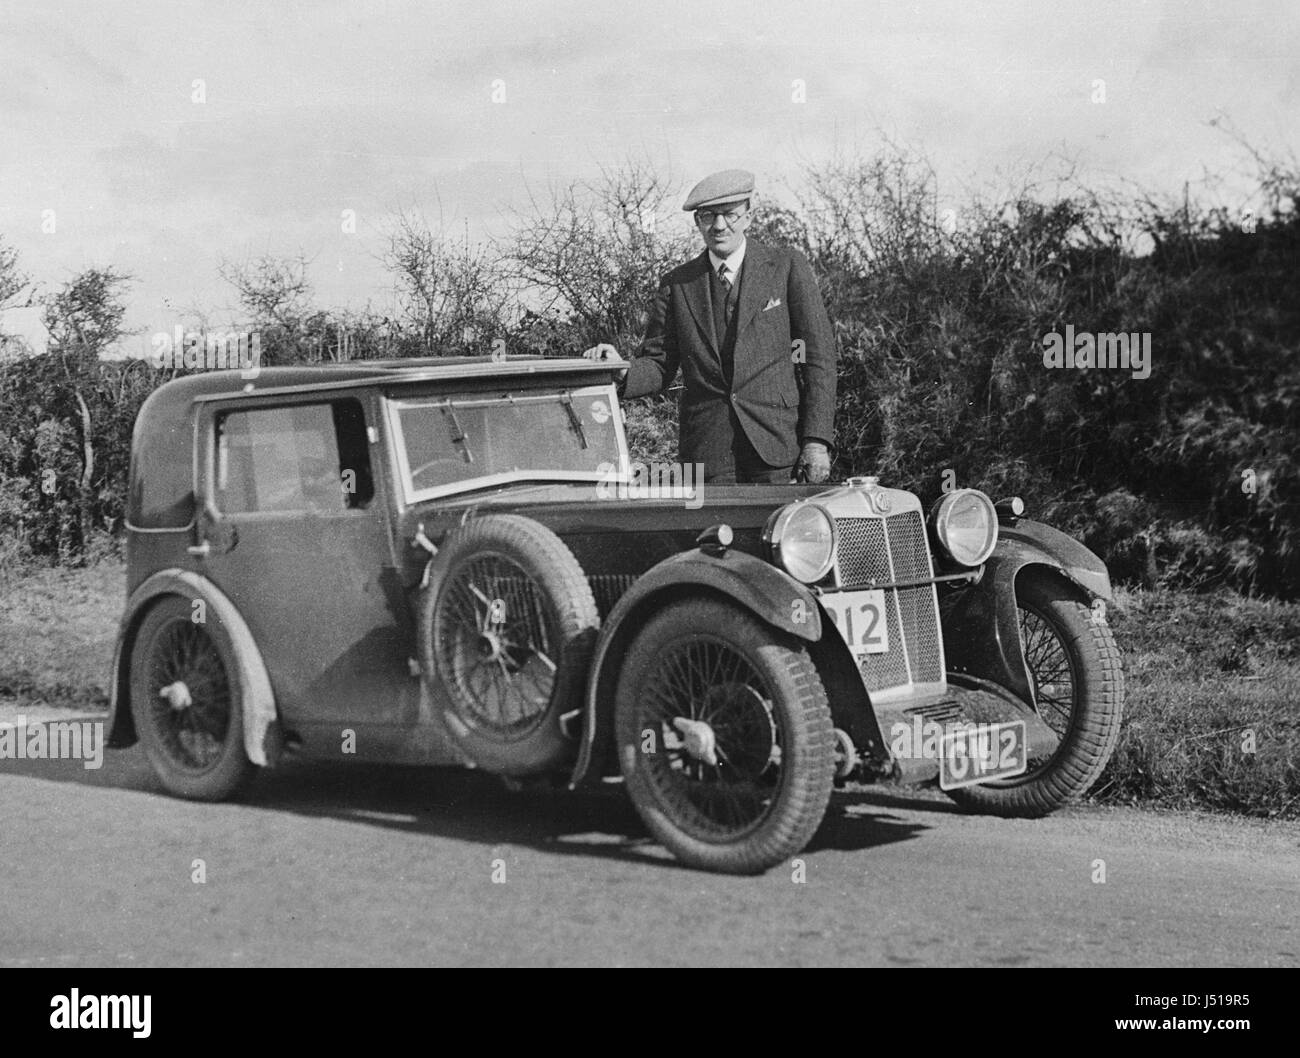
(567, 400)
(458, 436)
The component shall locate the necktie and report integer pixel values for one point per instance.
(724, 277)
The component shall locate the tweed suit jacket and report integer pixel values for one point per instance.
(779, 305)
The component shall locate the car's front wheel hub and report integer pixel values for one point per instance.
(698, 740)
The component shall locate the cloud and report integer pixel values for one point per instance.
(375, 105)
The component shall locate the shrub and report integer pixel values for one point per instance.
(1185, 478)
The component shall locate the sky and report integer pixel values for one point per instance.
(161, 137)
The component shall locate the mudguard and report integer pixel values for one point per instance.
(981, 627)
(257, 701)
(759, 587)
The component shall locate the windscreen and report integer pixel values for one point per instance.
(457, 439)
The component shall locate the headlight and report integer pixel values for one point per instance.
(802, 539)
(966, 526)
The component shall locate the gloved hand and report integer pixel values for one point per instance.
(814, 464)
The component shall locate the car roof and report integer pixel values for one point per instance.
(216, 385)
(168, 413)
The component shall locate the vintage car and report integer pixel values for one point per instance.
(454, 562)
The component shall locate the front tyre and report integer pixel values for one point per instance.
(724, 736)
(1078, 680)
(186, 707)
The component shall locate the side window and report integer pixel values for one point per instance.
(311, 457)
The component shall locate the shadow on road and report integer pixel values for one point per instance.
(472, 806)
(862, 820)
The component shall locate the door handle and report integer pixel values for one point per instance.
(200, 550)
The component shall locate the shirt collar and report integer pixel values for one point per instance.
(734, 262)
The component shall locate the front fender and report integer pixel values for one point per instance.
(1054, 548)
(759, 587)
(261, 734)
(981, 626)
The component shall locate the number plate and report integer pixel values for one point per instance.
(981, 752)
(861, 619)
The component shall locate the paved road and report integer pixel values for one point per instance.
(360, 865)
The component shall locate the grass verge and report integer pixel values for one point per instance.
(57, 630)
(1212, 719)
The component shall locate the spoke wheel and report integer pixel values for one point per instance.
(189, 696)
(185, 707)
(729, 792)
(507, 625)
(500, 636)
(1051, 674)
(725, 737)
(1078, 682)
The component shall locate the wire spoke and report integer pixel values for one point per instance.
(1051, 669)
(496, 641)
(708, 680)
(192, 735)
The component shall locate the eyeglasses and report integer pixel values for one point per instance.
(706, 217)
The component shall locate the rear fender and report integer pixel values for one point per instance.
(740, 578)
(981, 625)
(262, 740)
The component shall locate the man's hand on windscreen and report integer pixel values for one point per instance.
(603, 351)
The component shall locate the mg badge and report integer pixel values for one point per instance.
(883, 504)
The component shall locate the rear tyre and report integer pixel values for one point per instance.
(724, 736)
(1078, 679)
(187, 710)
(506, 629)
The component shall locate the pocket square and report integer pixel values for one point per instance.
(771, 303)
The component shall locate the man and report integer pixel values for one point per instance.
(746, 326)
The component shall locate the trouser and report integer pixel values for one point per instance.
(743, 465)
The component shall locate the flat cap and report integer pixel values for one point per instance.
(730, 185)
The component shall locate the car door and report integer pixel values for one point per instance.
(294, 530)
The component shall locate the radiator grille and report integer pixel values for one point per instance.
(866, 547)
(607, 588)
